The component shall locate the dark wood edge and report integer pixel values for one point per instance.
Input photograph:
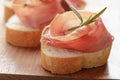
(33, 77)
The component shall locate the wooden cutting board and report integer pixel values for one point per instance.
(24, 63)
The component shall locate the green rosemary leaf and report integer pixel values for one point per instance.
(97, 15)
(73, 28)
(88, 21)
(90, 17)
(77, 14)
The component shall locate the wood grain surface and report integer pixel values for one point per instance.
(18, 63)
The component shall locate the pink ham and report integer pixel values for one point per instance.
(37, 13)
(89, 38)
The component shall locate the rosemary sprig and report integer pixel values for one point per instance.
(77, 14)
(88, 21)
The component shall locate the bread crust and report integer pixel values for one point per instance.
(65, 61)
(21, 36)
(8, 9)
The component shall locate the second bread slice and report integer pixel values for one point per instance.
(19, 35)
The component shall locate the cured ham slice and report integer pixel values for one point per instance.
(37, 13)
(89, 38)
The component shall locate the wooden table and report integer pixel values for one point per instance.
(24, 63)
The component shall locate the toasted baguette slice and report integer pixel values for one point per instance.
(8, 9)
(64, 61)
(19, 35)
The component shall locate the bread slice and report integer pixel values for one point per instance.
(19, 35)
(64, 61)
(8, 9)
